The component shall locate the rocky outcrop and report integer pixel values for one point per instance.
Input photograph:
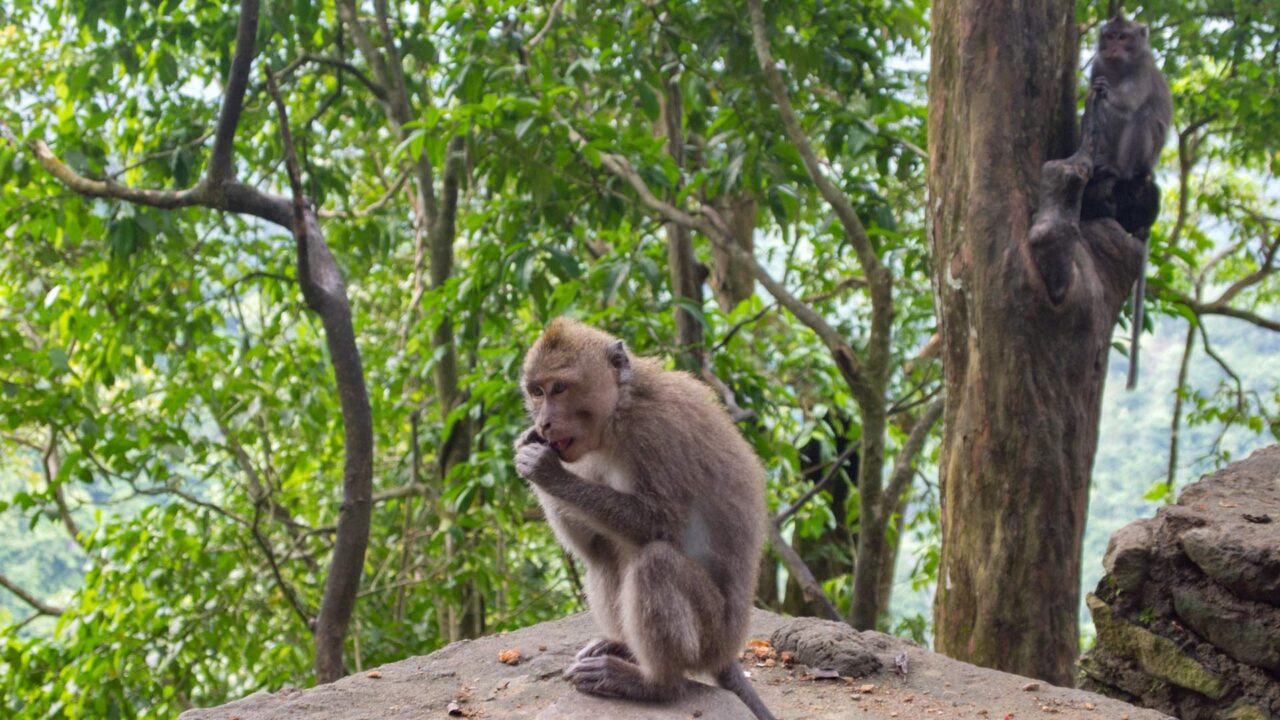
(802, 668)
(1188, 614)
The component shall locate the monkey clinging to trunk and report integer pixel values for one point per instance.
(1127, 116)
(643, 475)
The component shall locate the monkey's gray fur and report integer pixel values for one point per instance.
(644, 476)
(1128, 114)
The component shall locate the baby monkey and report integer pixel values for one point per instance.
(643, 475)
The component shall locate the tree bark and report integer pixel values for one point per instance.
(731, 279)
(1026, 312)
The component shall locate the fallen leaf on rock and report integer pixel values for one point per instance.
(1031, 687)
(758, 643)
(510, 657)
(788, 657)
(373, 674)
(866, 689)
(1259, 519)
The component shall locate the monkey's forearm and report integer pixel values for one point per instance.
(609, 512)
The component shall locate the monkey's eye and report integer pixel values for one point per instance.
(557, 388)
(535, 390)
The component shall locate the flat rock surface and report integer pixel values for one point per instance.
(469, 675)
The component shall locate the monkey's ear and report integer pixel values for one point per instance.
(1142, 31)
(618, 360)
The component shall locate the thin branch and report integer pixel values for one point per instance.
(819, 486)
(724, 341)
(411, 489)
(877, 276)
(291, 164)
(546, 27)
(374, 87)
(709, 223)
(904, 463)
(1235, 378)
(220, 169)
(41, 607)
(1179, 394)
(373, 207)
(808, 583)
(848, 283)
(52, 468)
(285, 587)
(1214, 308)
(160, 154)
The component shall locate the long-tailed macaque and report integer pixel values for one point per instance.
(1128, 112)
(643, 475)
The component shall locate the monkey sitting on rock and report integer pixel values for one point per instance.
(1127, 113)
(643, 475)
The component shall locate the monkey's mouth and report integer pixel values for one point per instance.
(561, 445)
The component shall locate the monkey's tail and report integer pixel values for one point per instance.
(732, 678)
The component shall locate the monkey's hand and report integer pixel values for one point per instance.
(530, 436)
(1100, 86)
(538, 463)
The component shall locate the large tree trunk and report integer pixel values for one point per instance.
(1026, 314)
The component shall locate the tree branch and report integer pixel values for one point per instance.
(1216, 308)
(325, 293)
(26, 597)
(878, 277)
(373, 207)
(374, 87)
(165, 199)
(233, 98)
(307, 621)
(819, 486)
(904, 464)
(546, 27)
(808, 583)
(709, 223)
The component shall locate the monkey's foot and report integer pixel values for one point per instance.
(598, 648)
(612, 677)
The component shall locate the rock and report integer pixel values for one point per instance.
(1242, 557)
(834, 646)
(702, 701)
(1248, 634)
(1128, 555)
(1188, 614)
(468, 677)
(1158, 657)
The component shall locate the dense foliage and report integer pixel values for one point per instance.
(170, 441)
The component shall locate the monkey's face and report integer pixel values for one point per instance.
(570, 405)
(1120, 42)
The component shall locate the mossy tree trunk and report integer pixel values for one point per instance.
(1026, 305)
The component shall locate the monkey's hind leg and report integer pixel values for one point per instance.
(597, 648)
(670, 609)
